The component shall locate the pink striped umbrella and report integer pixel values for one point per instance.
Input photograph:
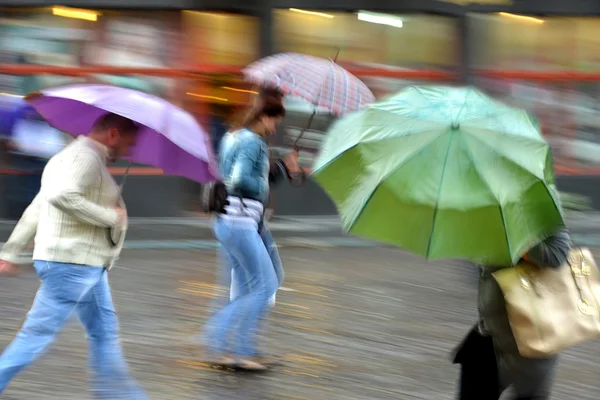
(320, 81)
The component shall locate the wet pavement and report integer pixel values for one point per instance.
(352, 323)
(199, 228)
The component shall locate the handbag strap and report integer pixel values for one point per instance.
(261, 223)
(580, 274)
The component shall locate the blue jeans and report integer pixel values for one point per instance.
(68, 288)
(234, 327)
(236, 285)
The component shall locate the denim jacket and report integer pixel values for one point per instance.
(245, 167)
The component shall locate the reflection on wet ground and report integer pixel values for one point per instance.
(359, 323)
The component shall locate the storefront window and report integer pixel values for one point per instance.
(523, 42)
(408, 41)
(36, 36)
(567, 108)
(220, 38)
(44, 36)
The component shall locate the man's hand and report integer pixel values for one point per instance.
(291, 161)
(121, 216)
(8, 268)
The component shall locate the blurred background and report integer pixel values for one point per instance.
(535, 54)
(355, 320)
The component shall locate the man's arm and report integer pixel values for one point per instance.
(552, 252)
(23, 233)
(67, 192)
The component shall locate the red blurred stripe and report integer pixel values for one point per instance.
(208, 69)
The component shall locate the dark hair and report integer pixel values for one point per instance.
(270, 92)
(110, 120)
(266, 106)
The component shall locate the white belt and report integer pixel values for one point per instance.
(244, 211)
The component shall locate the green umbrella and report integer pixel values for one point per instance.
(443, 172)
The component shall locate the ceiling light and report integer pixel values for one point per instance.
(317, 14)
(522, 17)
(382, 19)
(76, 13)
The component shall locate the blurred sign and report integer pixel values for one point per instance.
(568, 117)
(36, 37)
(130, 41)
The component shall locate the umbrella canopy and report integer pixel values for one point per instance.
(320, 81)
(170, 138)
(443, 172)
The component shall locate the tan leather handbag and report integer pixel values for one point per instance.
(552, 309)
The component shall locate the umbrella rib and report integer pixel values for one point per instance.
(374, 141)
(494, 150)
(487, 184)
(463, 105)
(437, 203)
(406, 118)
(418, 89)
(382, 180)
(496, 116)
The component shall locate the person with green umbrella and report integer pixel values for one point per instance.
(489, 356)
(466, 177)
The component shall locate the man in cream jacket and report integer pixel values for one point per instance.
(79, 225)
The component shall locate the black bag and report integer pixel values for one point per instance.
(213, 198)
(479, 369)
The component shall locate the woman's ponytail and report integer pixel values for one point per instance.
(268, 102)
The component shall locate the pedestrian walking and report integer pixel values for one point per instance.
(79, 222)
(489, 356)
(497, 170)
(276, 175)
(247, 172)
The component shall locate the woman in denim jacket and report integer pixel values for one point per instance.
(247, 174)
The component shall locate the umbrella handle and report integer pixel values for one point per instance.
(298, 179)
(310, 120)
(125, 175)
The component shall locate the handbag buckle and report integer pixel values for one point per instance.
(586, 270)
(585, 307)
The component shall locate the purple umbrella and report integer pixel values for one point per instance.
(170, 138)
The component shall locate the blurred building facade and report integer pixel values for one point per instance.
(536, 54)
